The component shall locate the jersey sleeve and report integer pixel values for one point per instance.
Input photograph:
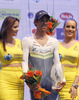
(57, 62)
(25, 47)
(56, 54)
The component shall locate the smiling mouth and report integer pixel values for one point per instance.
(70, 33)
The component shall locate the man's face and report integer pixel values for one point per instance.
(42, 23)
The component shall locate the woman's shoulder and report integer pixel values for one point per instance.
(17, 40)
(77, 42)
(61, 42)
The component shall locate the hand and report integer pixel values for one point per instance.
(73, 92)
(60, 85)
(34, 88)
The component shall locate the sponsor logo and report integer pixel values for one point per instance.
(30, 15)
(34, 30)
(65, 16)
(8, 57)
(16, 1)
(9, 12)
(60, 56)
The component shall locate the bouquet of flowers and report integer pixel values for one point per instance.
(53, 23)
(32, 78)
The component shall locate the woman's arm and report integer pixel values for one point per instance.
(73, 89)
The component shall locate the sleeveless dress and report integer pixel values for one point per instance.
(11, 86)
(69, 57)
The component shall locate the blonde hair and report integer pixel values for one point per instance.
(76, 25)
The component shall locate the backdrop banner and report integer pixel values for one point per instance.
(25, 10)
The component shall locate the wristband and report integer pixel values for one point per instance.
(75, 86)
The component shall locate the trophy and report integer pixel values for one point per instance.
(57, 75)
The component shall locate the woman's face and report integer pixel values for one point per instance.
(14, 29)
(42, 23)
(70, 29)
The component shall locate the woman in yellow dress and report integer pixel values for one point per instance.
(69, 54)
(11, 86)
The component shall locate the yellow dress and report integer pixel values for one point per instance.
(69, 57)
(11, 86)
